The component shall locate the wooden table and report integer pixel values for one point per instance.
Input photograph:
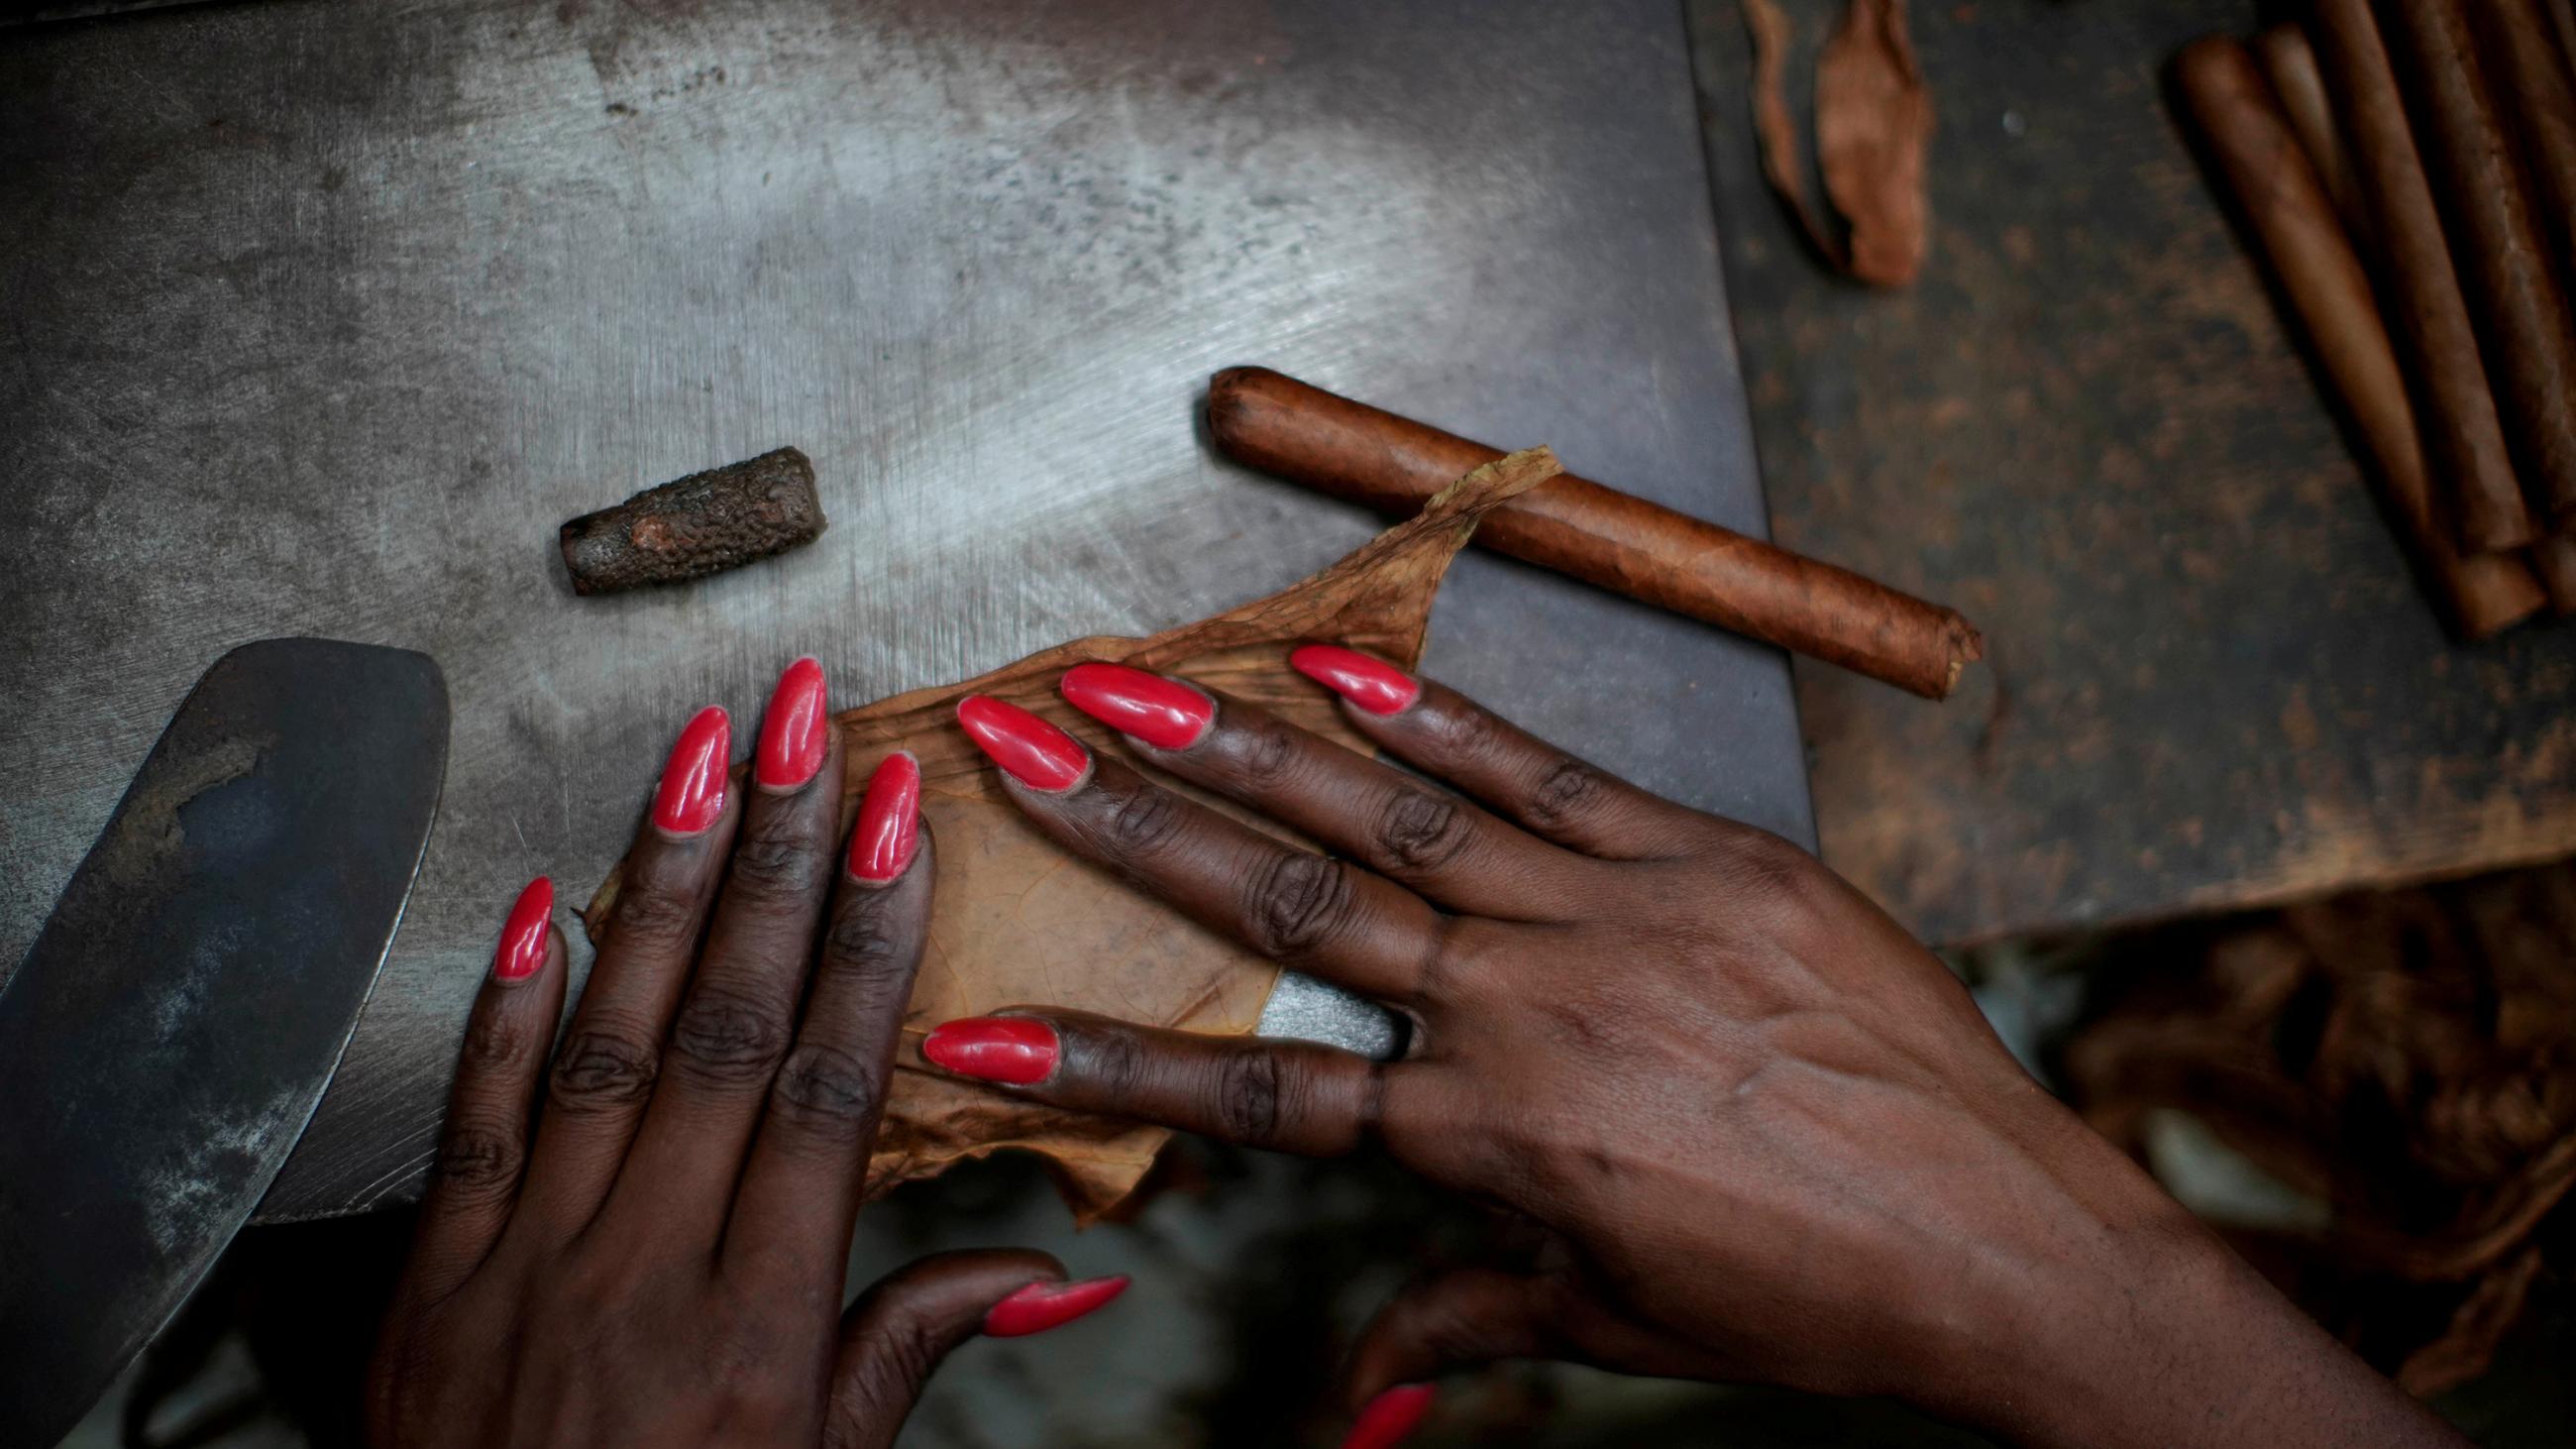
(2210, 679)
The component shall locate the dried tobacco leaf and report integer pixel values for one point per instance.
(1019, 922)
(1873, 127)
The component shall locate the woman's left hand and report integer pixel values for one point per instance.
(664, 1264)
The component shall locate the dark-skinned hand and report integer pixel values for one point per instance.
(1765, 1133)
(663, 1266)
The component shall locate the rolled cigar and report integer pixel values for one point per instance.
(2301, 89)
(2520, 49)
(2554, 559)
(2267, 171)
(2562, 19)
(1615, 540)
(2465, 439)
(2522, 316)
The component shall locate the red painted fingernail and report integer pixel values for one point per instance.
(889, 820)
(1041, 1306)
(1013, 1049)
(1165, 715)
(1036, 753)
(792, 729)
(693, 783)
(523, 936)
(1372, 684)
(1390, 1417)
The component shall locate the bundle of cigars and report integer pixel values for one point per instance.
(2408, 170)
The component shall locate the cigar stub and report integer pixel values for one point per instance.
(2463, 434)
(2264, 166)
(1597, 534)
(691, 527)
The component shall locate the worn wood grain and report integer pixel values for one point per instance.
(2213, 680)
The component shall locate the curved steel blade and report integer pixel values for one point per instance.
(169, 1034)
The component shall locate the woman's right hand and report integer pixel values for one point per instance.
(1768, 1134)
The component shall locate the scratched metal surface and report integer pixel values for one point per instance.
(322, 318)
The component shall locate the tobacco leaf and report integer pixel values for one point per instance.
(2406, 1056)
(1873, 127)
(1018, 922)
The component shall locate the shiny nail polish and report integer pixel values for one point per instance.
(889, 826)
(1041, 1306)
(1372, 684)
(523, 936)
(1012, 1049)
(1390, 1417)
(1163, 714)
(1034, 752)
(792, 729)
(693, 783)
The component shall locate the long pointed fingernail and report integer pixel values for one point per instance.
(693, 782)
(1390, 1417)
(1012, 1049)
(792, 729)
(889, 820)
(1031, 750)
(1041, 1306)
(1163, 714)
(523, 936)
(1372, 684)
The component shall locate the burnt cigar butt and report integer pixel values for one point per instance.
(2521, 311)
(1604, 537)
(691, 527)
(2265, 167)
(2462, 432)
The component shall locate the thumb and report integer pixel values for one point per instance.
(908, 1322)
(1474, 1316)
(1460, 1319)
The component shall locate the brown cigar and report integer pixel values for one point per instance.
(2266, 169)
(2554, 558)
(2522, 314)
(2562, 19)
(1599, 535)
(2465, 439)
(2520, 48)
(2292, 68)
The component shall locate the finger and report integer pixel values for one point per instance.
(1460, 1319)
(738, 1014)
(1549, 792)
(1322, 916)
(1467, 1317)
(801, 1188)
(612, 1052)
(901, 1328)
(483, 1148)
(1456, 855)
(1286, 1096)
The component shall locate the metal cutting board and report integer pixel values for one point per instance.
(323, 316)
